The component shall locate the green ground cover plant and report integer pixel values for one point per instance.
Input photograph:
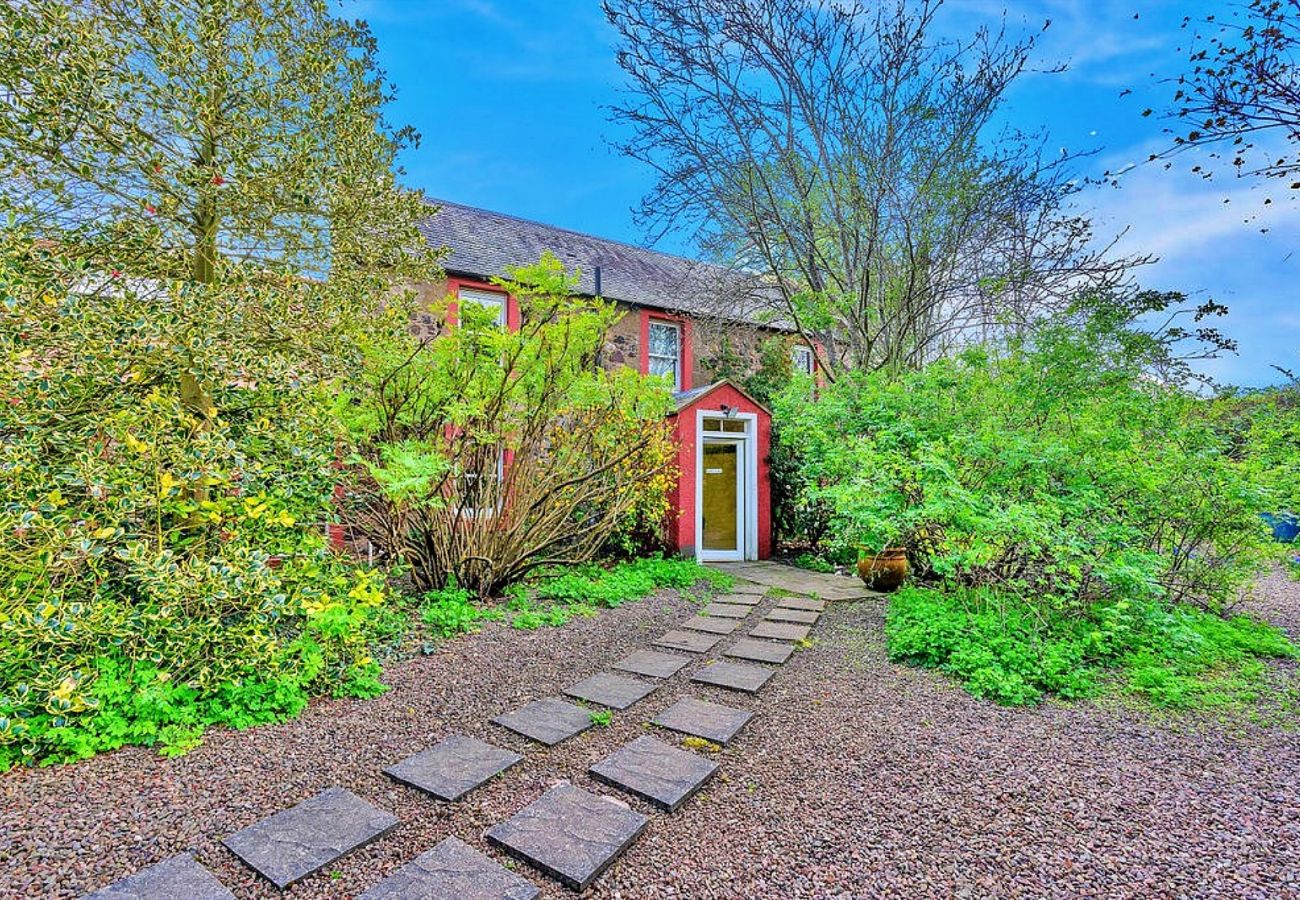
(554, 597)
(1001, 648)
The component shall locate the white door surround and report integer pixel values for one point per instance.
(746, 489)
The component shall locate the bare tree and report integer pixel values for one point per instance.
(849, 155)
(1240, 98)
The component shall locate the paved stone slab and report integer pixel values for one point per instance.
(801, 603)
(652, 663)
(710, 624)
(608, 689)
(303, 839)
(802, 616)
(654, 771)
(453, 767)
(547, 721)
(735, 676)
(742, 599)
(453, 869)
(690, 641)
(759, 651)
(749, 587)
(727, 610)
(700, 718)
(799, 581)
(569, 834)
(176, 876)
(780, 631)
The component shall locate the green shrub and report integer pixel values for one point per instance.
(1056, 468)
(999, 647)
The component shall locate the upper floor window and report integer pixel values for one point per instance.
(665, 351)
(490, 300)
(802, 358)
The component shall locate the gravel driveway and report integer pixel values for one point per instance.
(857, 778)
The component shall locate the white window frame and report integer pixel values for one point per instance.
(801, 355)
(651, 357)
(747, 491)
(485, 298)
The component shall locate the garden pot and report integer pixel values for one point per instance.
(1286, 527)
(883, 571)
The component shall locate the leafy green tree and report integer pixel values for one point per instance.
(490, 452)
(203, 225)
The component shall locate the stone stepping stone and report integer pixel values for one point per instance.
(749, 587)
(734, 676)
(727, 610)
(453, 767)
(742, 599)
(569, 834)
(612, 690)
(666, 776)
(303, 839)
(803, 603)
(710, 624)
(651, 663)
(547, 721)
(176, 876)
(802, 616)
(452, 869)
(700, 718)
(780, 631)
(759, 651)
(690, 641)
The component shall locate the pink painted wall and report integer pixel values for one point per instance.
(681, 521)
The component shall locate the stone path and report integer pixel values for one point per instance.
(567, 833)
(799, 581)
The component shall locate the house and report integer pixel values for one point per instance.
(678, 317)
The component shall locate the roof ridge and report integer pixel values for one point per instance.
(433, 201)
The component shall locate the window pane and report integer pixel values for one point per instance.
(663, 340)
(803, 360)
(487, 299)
(735, 426)
(712, 424)
(662, 365)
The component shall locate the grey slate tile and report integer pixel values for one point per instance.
(780, 631)
(759, 651)
(453, 870)
(727, 610)
(453, 767)
(710, 624)
(741, 599)
(734, 676)
(690, 641)
(804, 603)
(570, 834)
(175, 877)
(666, 776)
(547, 721)
(700, 718)
(303, 839)
(611, 690)
(652, 663)
(800, 616)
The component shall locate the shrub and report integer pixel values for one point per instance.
(1001, 648)
(488, 453)
(143, 542)
(1055, 468)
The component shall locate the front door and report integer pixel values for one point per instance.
(722, 492)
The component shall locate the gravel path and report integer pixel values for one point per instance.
(857, 778)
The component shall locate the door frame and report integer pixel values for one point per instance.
(746, 492)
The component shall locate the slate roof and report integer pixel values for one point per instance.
(485, 243)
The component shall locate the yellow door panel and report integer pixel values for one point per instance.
(719, 525)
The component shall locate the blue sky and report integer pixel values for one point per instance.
(509, 97)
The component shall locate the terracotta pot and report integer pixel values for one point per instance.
(883, 571)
